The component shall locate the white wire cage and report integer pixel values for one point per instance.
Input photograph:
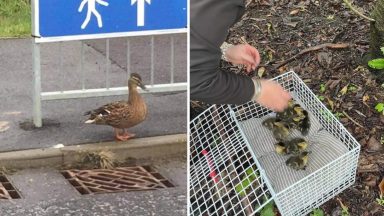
(235, 170)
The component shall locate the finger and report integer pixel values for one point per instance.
(249, 68)
(248, 59)
(287, 95)
(257, 58)
(255, 54)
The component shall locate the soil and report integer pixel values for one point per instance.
(336, 73)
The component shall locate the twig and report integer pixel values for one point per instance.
(314, 48)
(368, 170)
(349, 117)
(357, 12)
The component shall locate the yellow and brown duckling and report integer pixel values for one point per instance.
(122, 115)
(287, 113)
(280, 148)
(304, 125)
(293, 146)
(279, 129)
(298, 162)
(295, 117)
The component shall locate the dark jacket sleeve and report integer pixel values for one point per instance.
(210, 21)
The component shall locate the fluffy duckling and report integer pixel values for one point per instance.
(298, 162)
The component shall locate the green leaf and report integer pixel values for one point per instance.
(249, 171)
(352, 88)
(379, 107)
(322, 88)
(248, 179)
(377, 63)
(268, 210)
(317, 212)
(242, 186)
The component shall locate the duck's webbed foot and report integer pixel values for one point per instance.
(124, 136)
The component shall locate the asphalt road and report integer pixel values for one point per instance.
(63, 119)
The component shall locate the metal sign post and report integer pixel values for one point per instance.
(63, 20)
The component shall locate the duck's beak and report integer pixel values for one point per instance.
(142, 86)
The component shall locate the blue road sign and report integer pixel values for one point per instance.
(95, 18)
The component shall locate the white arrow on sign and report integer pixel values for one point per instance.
(140, 10)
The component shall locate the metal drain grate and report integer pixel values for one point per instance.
(7, 191)
(121, 179)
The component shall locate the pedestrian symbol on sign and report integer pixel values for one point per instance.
(92, 10)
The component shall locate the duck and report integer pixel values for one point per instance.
(122, 115)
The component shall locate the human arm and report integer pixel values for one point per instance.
(82, 5)
(102, 2)
(210, 84)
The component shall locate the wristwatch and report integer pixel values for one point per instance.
(224, 48)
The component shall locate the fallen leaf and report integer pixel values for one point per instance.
(332, 83)
(290, 21)
(294, 12)
(4, 125)
(381, 187)
(371, 180)
(368, 168)
(373, 144)
(330, 102)
(365, 98)
(244, 40)
(374, 208)
(282, 69)
(344, 90)
(324, 57)
(261, 71)
(293, 24)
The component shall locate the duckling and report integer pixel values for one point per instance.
(304, 125)
(280, 130)
(269, 123)
(296, 145)
(298, 113)
(298, 118)
(122, 114)
(287, 113)
(298, 162)
(280, 148)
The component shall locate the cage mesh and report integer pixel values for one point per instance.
(225, 180)
(230, 139)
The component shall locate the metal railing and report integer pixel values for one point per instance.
(108, 90)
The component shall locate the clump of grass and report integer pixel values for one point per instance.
(103, 159)
(15, 18)
(6, 171)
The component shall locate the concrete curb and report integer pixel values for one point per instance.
(149, 147)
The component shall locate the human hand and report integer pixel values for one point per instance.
(273, 96)
(243, 54)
